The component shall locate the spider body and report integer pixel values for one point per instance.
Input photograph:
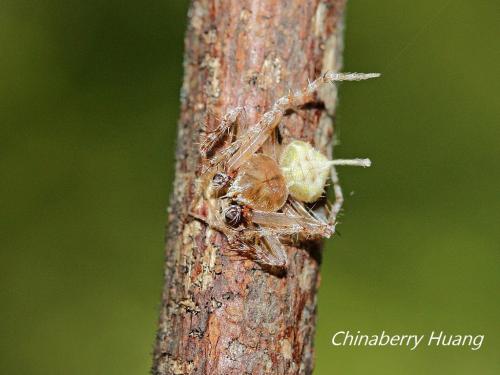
(306, 170)
(260, 184)
(259, 200)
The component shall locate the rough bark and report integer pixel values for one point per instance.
(221, 313)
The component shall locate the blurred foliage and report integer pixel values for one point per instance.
(88, 111)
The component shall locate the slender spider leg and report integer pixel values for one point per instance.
(230, 120)
(240, 244)
(339, 198)
(262, 244)
(273, 252)
(271, 147)
(352, 162)
(253, 139)
(288, 210)
(337, 189)
(282, 223)
(223, 129)
(265, 249)
(299, 208)
(242, 123)
(299, 98)
(221, 156)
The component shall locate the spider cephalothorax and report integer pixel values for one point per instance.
(261, 199)
(259, 184)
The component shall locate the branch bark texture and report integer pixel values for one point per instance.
(221, 313)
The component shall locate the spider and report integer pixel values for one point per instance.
(260, 194)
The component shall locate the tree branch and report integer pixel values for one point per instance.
(221, 313)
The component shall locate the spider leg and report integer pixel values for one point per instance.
(255, 136)
(226, 129)
(271, 147)
(352, 162)
(242, 123)
(301, 97)
(308, 214)
(339, 198)
(221, 156)
(212, 138)
(291, 222)
(265, 249)
(273, 252)
(337, 189)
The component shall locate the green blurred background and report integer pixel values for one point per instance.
(88, 109)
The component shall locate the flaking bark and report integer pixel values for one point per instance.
(221, 313)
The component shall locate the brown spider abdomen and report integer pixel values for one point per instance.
(260, 184)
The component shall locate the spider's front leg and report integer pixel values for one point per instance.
(255, 136)
(300, 98)
(253, 139)
(213, 138)
(224, 131)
